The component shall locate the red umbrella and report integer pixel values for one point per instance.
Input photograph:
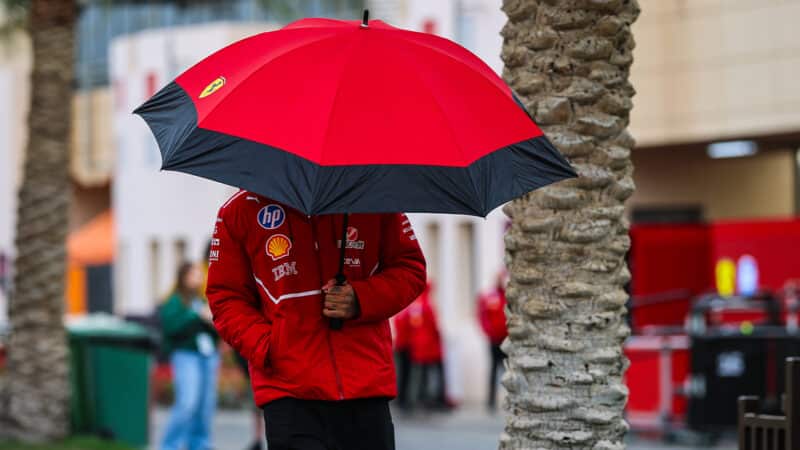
(337, 116)
(334, 116)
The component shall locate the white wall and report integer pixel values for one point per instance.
(15, 63)
(8, 156)
(153, 209)
(715, 70)
(8, 178)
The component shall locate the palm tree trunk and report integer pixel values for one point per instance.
(569, 61)
(35, 404)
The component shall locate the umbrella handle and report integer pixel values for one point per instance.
(337, 324)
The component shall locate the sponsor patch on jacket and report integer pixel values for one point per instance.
(353, 262)
(271, 217)
(408, 230)
(284, 270)
(278, 246)
(213, 252)
(352, 239)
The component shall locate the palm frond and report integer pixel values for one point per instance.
(13, 18)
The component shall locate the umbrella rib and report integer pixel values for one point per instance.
(345, 69)
(498, 83)
(346, 66)
(452, 132)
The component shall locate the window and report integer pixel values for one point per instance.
(180, 253)
(431, 249)
(466, 286)
(465, 24)
(101, 21)
(121, 276)
(797, 182)
(155, 271)
(667, 214)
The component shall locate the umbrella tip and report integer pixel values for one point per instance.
(365, 20)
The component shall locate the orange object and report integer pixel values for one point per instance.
(93, 243)
(76, 289)
(90, 245)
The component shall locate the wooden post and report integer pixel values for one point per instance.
(791, 403)
(747, 404)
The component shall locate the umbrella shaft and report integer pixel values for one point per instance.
(336, 324)
(340, 278)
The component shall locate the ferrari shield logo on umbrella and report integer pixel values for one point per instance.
(212, 87)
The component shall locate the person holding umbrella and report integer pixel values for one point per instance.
(271, 288)
(332, 129)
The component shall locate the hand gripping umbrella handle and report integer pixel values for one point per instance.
(336, 324)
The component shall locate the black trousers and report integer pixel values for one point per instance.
(497, 363)
(361, 424)
(431, 398)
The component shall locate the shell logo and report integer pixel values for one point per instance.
(278, 246)
(212, 87)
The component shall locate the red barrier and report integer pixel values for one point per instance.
(670, 265)
(659, 368)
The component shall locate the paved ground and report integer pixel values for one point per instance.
(463, 430)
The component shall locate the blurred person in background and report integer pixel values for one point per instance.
(492, 316)
(241, 363)
(426, 352)
(191, 340)
(272, 292)
(402, 352)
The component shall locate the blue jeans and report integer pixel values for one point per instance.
(195, 381)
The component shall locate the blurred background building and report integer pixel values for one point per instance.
(711, 71)
(706, 72)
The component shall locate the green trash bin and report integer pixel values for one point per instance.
(110, 362)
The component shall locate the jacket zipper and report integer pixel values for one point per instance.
(336, 374)
(335, 368)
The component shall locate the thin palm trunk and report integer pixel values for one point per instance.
(569, 61)
(35, 403)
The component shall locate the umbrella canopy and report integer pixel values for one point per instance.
(334, 116)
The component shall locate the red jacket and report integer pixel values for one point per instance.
(267, 265)
(424, 339)
(492, 314)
